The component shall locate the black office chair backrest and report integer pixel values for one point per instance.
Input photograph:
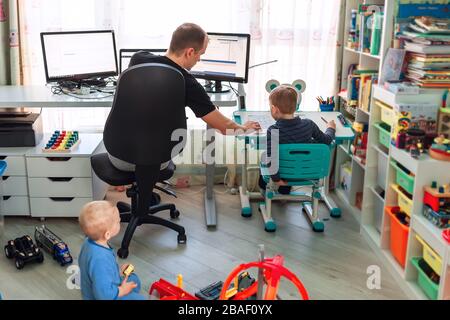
(149, 105)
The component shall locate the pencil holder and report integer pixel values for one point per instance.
(326, 107)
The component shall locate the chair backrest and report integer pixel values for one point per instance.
(149, 105)
(306, 161)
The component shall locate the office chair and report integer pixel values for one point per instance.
(149, 104)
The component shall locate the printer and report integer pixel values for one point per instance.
(20, 129)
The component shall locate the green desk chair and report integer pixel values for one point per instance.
(303, 165)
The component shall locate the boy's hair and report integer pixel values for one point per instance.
(95, 218)
(284, 98)
(188, 35)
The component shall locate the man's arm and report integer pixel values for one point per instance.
(218, 121)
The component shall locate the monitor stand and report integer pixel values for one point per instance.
(215, 87)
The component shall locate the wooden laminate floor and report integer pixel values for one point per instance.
(332, 265)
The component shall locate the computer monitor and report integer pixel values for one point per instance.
(225, 59)
(126, 54)
(79, 55)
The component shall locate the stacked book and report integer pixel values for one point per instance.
(427, 41)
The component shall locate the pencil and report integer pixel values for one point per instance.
(324, 119)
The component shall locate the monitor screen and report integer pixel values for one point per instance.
(78, 55)
(126, 54)
(225, 59)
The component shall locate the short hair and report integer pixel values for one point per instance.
(95, 218)
(188, 35)
(284, 98)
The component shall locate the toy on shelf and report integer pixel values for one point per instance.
(440, 149)
(46, 239)
(62, 141)
(437, 205)
(444, 122)
(24, 251)
(359, 146)
(446, 235)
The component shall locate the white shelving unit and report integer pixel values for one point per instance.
(365, 61)
(425, 171)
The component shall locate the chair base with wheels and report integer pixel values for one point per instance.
(130, 213)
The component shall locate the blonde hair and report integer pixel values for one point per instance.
(284, 98)
(96, 218)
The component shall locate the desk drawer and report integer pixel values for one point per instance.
(57, 207)
(15, 186)
(59, 167)
(15, 206)
(16, 165)
(60, 187)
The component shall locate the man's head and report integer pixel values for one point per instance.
(283, 101)
(189, 42)
(100, 220)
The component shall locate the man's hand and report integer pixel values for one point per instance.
(331, 124)
(251, 125)
(126, 287)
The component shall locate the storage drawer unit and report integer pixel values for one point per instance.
(16, 165)
(384, 134)
(404, 201)
(15, 206)
(60, 187)
(59, 167)
(403, 178)
(57, 206)
(430, 256)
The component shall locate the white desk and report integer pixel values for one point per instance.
(42, 97)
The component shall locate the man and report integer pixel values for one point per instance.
(188, 44)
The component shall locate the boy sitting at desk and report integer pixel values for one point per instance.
(291, 129)
(100, 274)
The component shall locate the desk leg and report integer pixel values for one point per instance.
(335, 212)
(243, 189)
(210, 201)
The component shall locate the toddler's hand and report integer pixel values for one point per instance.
(126, 287)
(331, 124)
(123, 267)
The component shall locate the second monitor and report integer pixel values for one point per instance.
(226, 59)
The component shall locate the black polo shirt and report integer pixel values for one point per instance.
(196, 97)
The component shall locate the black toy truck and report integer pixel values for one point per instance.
(23, 250)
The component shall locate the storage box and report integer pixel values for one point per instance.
(430, 288)
(345, 178)
(378, 209)
(439, 219)
(382, 170)
(404, 201)
(399, 236)
(384, 132)
(403, 178)
(430, 256)
(387, 114)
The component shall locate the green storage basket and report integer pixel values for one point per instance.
(384, 134)
(430, 288)
(403, 178)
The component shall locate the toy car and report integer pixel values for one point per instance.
(23, 250)
(46, 239)
(128, 270)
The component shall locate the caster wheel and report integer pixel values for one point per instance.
(175, 214)
(122, 253)
(270, 226)
(182, 238)
(40, 259)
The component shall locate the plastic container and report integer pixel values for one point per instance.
(376, 33)
(326, 107)
(387, 114)
(430, 256)
(378, 208)
(382, 170)
(430, 288)
(403, 178)
(383, 134)
(399, 236)
(439, 219)
(404, 202)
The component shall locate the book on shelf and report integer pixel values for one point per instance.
(393, 65)
(424, 48)
(432, 25)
